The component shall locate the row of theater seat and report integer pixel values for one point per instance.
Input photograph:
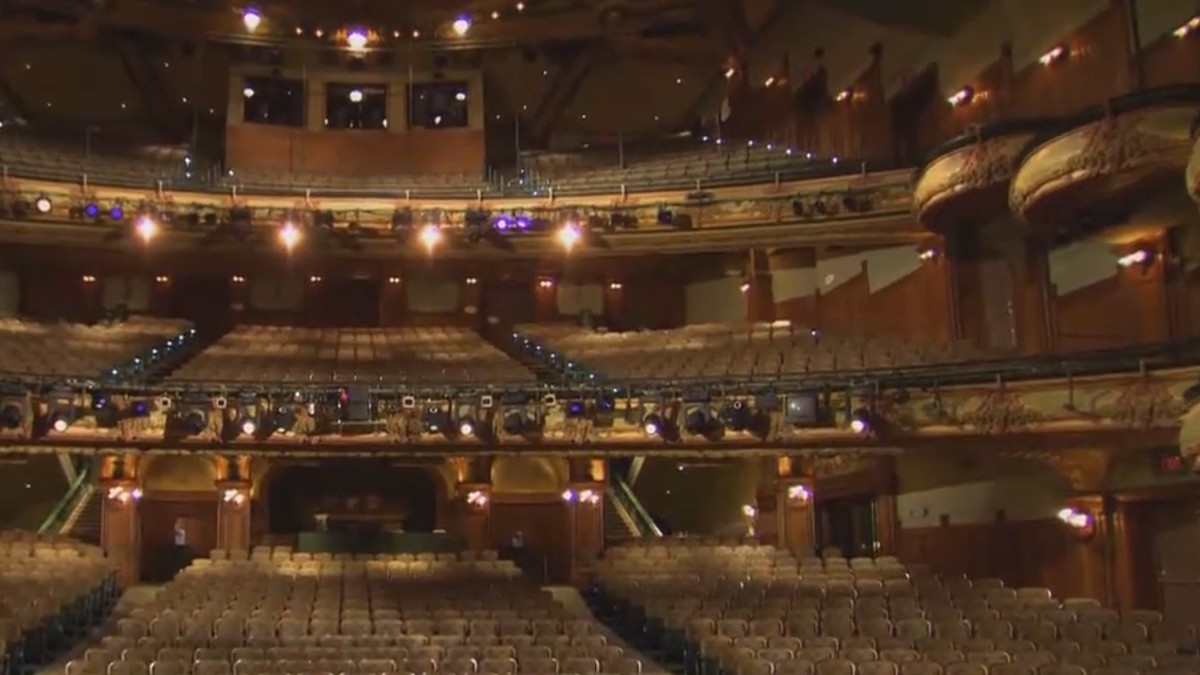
(417, 356)
(734, 610)
(715, 351)
(278, 611)
(52, 590)
(79, 350)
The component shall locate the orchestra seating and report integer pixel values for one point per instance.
(747, 609)
(284, 612)
(79, 350)
(52, 589)
(711, 351)
(372, 355)
(425, 184)
(710, 165)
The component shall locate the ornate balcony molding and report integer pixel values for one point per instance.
(957, 181)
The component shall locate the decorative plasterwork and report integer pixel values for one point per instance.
(1145, 139)
(980, 166)
(1085, 470)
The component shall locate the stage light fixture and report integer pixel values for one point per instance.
(517, 422)
(290, 236)
(698, 421)
(193, 422)
(431, 236)
(251, 19)
(249, 426)
(434, 419)
(356, 96)
(652, 424)
(402, 219)
(116, 212)
(11, 415)
(666, 216)
(323, 219)
(43, 205)
(91, 210)
(568, 236)
(736, 416)
(146, 229)
(248, 92)
(860, 421)
(461, 26)
(466, 427)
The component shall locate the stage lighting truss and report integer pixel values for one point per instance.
(699, 419)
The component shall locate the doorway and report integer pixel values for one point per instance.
(1176, 527)
(848, 524)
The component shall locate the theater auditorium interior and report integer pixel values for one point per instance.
(599, 337)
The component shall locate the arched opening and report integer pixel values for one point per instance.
(359, 496)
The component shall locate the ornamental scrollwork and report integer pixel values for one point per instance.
(1144, 403)
(1000, 411)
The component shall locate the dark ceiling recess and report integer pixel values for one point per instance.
(941, 17)
(672, 29)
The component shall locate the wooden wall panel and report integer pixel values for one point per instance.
(158, 513)
(1127, 309)
(544, 522)
(1170, 60)
(1026, 553)
(355, 153)
(915, 308)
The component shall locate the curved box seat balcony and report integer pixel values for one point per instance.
(967, 178)
(1133, 144)
(1193, 167)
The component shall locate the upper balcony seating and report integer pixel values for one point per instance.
(418, 356)
(79, 350)
(754, 610)
(711, 165)
(39, 159)
(716, 351)
(50, 587)
(280, 612)
(428, 185)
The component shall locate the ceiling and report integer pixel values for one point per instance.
(568, 69)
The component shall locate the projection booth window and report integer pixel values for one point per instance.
(273, 100)
(356, 106)
(438, 105)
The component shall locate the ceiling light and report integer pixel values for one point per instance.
(251, 19)
(416, 34)
(520, 7)
(461, 25)
(495, 15)
(357, 40)
(569, 235)
(248, 92)
(146, 228)
(460, 96)
(437, 119)
(43, 204)
(730, 73)
(319, 33)
(356, 96)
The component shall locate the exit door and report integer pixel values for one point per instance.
(848, 524)
(1177, 552)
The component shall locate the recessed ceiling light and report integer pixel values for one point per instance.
(679, 80)
(520, 7)
(583, 116)
(495, 14)
(416, 34)
(28, 66)
(123, 106)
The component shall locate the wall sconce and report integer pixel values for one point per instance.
(1143, 256)
(238, 279)
(477, 499)
(927, 254)
(962, 96)
(745, 287)
(234, 496)
(614, 286)
(545, 283)
(314, 279)
(845, 95)
(471, 281)
(161, 279)
(749, 511)
(1053, 55)
(124, 495)
(89, 279)
(799, 494)
(393, 280)
(1188, 28)
(1082, 524)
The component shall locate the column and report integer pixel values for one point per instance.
(794, 509)
(759, 303)
(120, 526)
(233, 487)
(545, 299)
(584, 498)
(1084, 571)
(472, 507)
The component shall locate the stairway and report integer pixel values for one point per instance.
(618, 525)
(544, 372)
(84, 522)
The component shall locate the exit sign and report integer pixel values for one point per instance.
(1172, 463)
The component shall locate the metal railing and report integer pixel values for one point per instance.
(626, 498)
(63, 508)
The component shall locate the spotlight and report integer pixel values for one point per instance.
(248, 92)
(146, 228)
(860, 421)
(402, 219)
(193, 422)
(249, 427)
(431, 236)
(289, 236)
(698, 421)
(251, 19)
(434, 419)
(466, 427)
(91, 210)
(461, 25)
(11, 415)
(516, 422)
(666, 216)
(43, 204)
(569, 235)
(652, 424)
(736, 416)
(356, 96)
(323, 220)
(116, 212)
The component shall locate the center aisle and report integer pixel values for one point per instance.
(574, 603)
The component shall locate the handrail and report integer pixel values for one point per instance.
(625, 495)
(61, 509)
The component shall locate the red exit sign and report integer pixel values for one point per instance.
(1172, 463)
